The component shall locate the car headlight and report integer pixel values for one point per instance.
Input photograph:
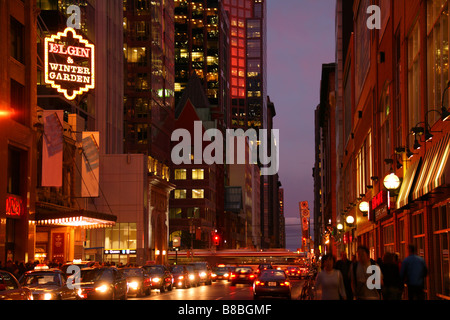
(180, 277)
(133, 285)
(213, 275)
(48, 296)
(226, 275)
(156, 279)
(203, 274)
(191, 277)
(102, 288)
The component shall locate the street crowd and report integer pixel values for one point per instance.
(350, 280)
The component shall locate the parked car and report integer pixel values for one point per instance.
(138, 280)
(10, 288)
(272, 283)
(48, 284)
(180, 276)
(242, 274)
(105, 283)
(161, 276)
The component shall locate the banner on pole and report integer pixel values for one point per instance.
(52, 149)
(90, 170)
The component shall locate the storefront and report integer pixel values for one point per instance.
(61, 232)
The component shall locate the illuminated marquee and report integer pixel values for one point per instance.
(69, 63)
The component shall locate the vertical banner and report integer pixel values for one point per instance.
(52, 149)
(58, 247)
(90, 171)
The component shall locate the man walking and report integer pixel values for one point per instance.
(413, 273)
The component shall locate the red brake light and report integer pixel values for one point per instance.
(252, 276)
(259, 283)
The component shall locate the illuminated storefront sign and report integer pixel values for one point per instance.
(69, 63)
(120, 251)
(13, 206)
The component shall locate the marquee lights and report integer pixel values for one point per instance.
(72, 71)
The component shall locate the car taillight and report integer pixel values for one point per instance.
(252, 276)
(286, 283)
(232, 275)
(259, 283)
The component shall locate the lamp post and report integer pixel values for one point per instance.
(364, 208)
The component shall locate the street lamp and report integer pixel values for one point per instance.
(340, 226)
(391, 182)
(364, 207)
(350, 220)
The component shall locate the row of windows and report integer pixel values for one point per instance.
(197, 174)
(182, 194)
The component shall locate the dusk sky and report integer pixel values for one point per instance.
(300, 39)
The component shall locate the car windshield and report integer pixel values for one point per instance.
(155, 269)
(132, 272)
(273, 275)
(7, 280)
(222, 269)
(93, 275)
(190, 269)
(37, 279)
(244, 270)
(178, 269)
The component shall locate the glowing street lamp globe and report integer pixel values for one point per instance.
(391, 182)
(350, 220)
(364, 207)
(340, 226)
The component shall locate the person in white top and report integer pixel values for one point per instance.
(329, 282)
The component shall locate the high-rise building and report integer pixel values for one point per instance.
(149, 105)
(17, 137)
(248, 63)
(202, 46)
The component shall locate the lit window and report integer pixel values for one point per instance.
(198, 194)
(198, 174)
(180, 194)
(180, 174)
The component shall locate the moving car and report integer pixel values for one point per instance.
(272, 283)
(139, 282)
(105, 283)
(48, 284)
(204, 272)
(294, 272)
(262, 267)
(194, 277)
(242, 274)
(181, 277)
(221, 273)
(10, 288)
(161, 277)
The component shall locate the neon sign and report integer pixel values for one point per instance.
(69, 63)
(13, 206)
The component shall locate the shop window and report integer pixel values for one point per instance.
(388, 238)
(441, 247)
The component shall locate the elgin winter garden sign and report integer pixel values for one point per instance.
(69, 63)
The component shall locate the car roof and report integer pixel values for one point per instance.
(44, 271)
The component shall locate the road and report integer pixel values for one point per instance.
(220, 290)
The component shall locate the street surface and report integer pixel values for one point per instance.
(219, 290)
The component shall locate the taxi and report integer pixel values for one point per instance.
(48, 284)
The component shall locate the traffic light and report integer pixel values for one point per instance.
(216, 239)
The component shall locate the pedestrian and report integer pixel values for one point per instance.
(413, 273)
(330, 280)
(360, 276)
(343, 266)
(392, 285)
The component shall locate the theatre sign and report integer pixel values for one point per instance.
(69, 63)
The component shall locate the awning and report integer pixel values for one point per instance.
(408, 181)
(435, 170)
(46, 216)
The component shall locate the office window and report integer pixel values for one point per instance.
(14, 172)
(180, 194)
(437, 55)
(17, 40)
(198, 174)
(362, 48)
(198, 194)
(175, 213)
(180, 174)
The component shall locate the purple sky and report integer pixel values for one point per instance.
(300, 39)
